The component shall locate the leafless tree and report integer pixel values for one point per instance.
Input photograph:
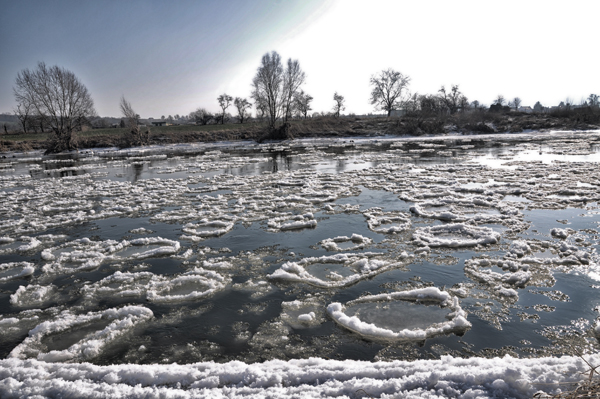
(268, 86)
(273, 88)
(594, 100)
(302, 103)
(388, 87)
(243, 106)
(339, 104)
(516, 103)
(60, 96)
(24, 111)
(500, 100)
(294, 77)
(201, 116)
(452, 99)
(224, 102)
(132, 121)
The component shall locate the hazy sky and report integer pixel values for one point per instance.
(171, 57)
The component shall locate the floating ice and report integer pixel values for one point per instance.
(561, 233)
(121, 321)
(32, 295)
(207, 228)
(295, 223)
(192, 285)
(14, 270)
(456, 322)
(303, 313)
(455, 235)
(333, 271)
(354, 242)
(387, 223)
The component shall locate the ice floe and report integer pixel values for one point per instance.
(335, 271)
(119, 322)
(15, 270)
(455, 235)
(456, 319)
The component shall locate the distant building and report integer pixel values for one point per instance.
(159, 123)
(527, 109)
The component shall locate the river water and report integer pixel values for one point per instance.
(244, 252)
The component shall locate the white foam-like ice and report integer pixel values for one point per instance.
(14, 270)
(457, 319)
(122, 321)
(192, 285)
(358, 267)
(32, 295)
(455, 235)
(447, 377)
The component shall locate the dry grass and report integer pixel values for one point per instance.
(587, 389)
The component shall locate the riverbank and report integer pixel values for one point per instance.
(415, 125)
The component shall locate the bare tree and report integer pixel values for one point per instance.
(60, 96)
(294, 77)
(339, 104)
(302, 103)
(516, 103)
(268, 86)
(224, 102)
(500, 100)
(201, 116)
(24, 111)
(594, 100)
(452, 99)
(243, 106)
(132, 122)
(388, 89)
(274, 88)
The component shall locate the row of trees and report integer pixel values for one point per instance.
(54, 99)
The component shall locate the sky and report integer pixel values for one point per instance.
(172, 57)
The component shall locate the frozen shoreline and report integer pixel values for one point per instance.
(193, 148)
(444, 378)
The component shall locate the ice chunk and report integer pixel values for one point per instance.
(32, 295)
(14, 270)
(456, 322)
(122, 321)
(192, 285)
(455, 235)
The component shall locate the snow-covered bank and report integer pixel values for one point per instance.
(448, 377)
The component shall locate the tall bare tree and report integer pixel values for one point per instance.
(516, 103)
(294, 77)
(268, 86)
(339, 105)
(132, 122)
(388, 87)
(60, 96)
(224, 102)
(452, 99)
(302, 103)
(242, 105)
(273, 87)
